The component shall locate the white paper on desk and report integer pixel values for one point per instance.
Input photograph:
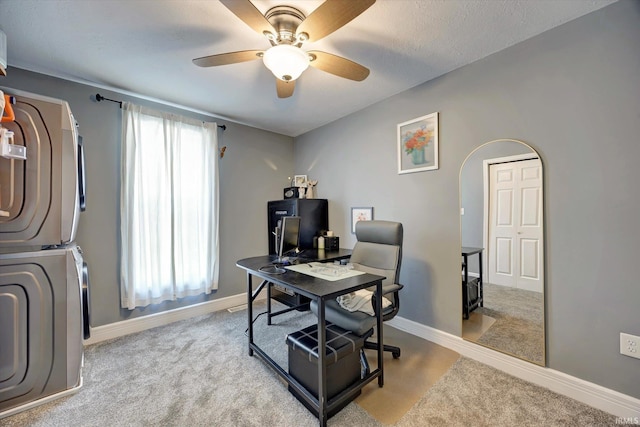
(315, 269)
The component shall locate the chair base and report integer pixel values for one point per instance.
(395, 351)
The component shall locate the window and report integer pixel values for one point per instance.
(168, 207)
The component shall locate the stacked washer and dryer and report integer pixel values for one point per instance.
(44, 307)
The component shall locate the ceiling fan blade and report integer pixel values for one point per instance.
(250, 15)
(228, 58)
(330, 16)
(338, 66)
(285, 89)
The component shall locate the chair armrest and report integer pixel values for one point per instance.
(392, 292)
(388, 289)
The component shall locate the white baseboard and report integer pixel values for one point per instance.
(599, 397)
(472, 274)
(139, 324)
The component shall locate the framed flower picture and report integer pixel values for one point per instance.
(360, 214)
(418, 144)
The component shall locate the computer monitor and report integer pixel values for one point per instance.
(289, 236)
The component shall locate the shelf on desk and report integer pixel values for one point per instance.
(474, 294)
(290, 299)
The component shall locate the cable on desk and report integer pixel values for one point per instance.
(272, 269)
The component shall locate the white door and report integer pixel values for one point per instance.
(515, 225)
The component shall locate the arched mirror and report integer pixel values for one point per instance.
(502, 237)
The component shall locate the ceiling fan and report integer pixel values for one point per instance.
(286, 29)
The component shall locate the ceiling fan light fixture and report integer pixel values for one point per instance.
(286, 62)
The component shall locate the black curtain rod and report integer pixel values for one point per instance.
(102, 98)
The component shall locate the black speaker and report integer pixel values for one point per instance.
(291, 193)
(331, 243)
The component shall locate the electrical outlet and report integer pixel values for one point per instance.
(629, 345)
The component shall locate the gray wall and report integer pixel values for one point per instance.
(573, 93)
(254, 170)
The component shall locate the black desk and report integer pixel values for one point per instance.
(321, 291)
(469, 304)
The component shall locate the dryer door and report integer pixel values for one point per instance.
(40, 317)
(39, 196)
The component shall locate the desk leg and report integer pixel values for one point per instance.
(322, 369)
(250, 311)
(380, 333)
(480, 283)
(465, 289)
(269, 303)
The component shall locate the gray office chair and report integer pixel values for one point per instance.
(377, 251)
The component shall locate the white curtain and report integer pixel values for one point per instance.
(168, 207)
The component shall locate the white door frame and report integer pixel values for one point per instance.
(485, 181)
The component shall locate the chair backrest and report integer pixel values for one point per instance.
(379, 249)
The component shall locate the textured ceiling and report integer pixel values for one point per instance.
(145, 47)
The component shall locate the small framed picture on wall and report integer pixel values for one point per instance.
(360, 214)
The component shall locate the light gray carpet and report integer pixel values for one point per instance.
(519, 321)
(197, 372)
(473, 394)
(514, 302)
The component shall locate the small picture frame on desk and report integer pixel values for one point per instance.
(300, 180)
(360, 214)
